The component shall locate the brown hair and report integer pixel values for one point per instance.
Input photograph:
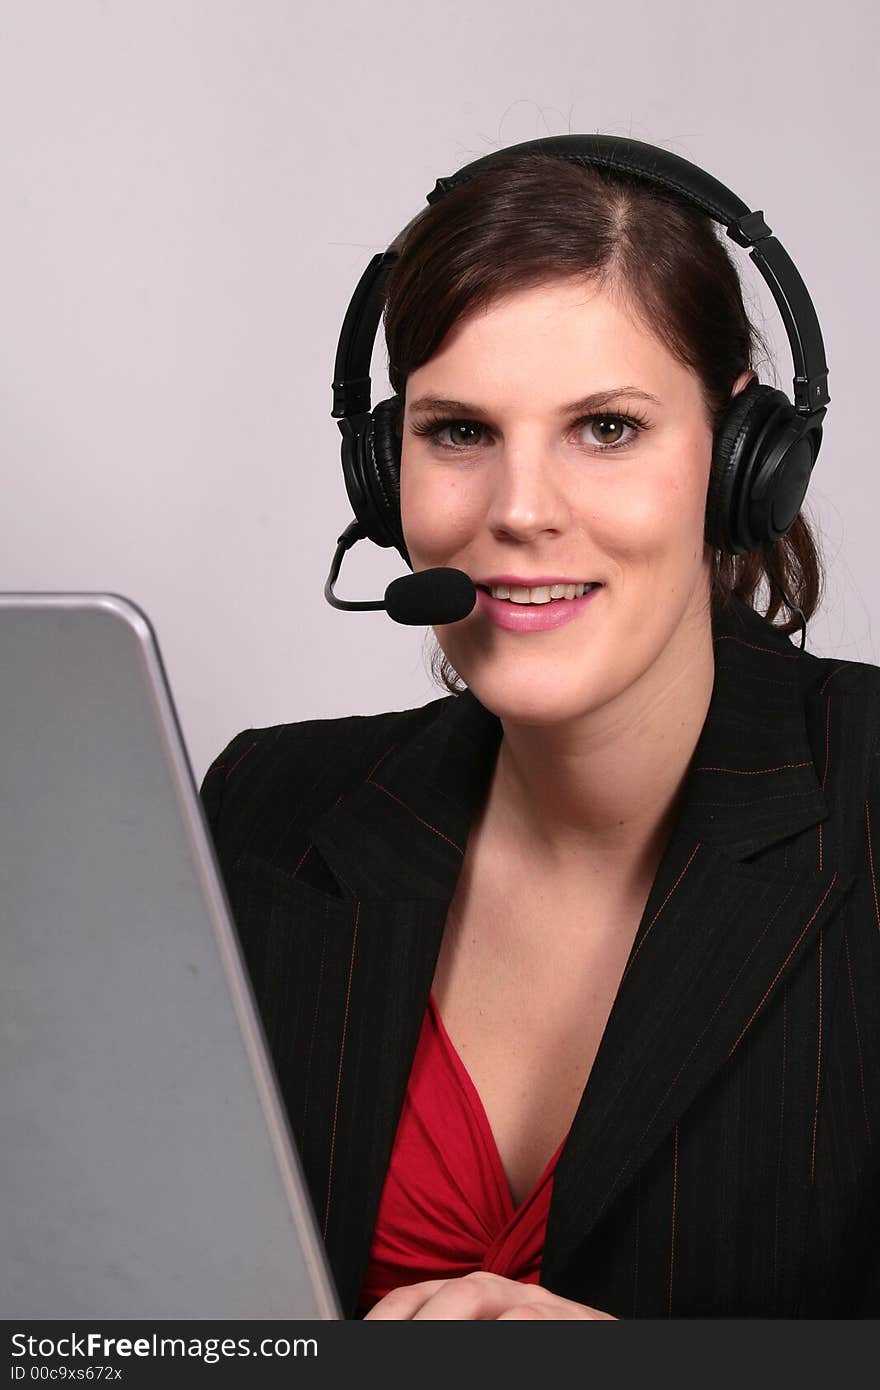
(537, 218)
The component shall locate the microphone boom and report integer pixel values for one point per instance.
(424, 599)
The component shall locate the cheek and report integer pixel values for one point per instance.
(436, 510)
(656, 511)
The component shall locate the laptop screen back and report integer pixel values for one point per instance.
(147, 1169)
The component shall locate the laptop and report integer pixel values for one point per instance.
(147, 1169)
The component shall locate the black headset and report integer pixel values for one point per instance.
(764, 447)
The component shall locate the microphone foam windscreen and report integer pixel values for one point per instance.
(430, 597)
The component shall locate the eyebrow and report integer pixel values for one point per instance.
(592, 402)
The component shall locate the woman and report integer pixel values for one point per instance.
(571, 977)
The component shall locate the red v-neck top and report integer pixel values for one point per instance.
(446, 1206)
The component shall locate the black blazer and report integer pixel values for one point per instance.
(723, 1161)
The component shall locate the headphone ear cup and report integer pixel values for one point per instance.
(384, 461)
(741, 444)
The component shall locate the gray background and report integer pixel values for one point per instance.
(189, 194)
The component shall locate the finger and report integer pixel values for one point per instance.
(479, 1295)
(403, 1302)
(552, 1312)
(554, 1306)
(522, 1312)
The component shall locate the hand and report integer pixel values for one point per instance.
(478, 1295)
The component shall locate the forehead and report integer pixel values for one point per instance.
(572, 334)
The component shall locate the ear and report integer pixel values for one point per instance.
(744, 379)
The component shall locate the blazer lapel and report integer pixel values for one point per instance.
(717, 938)
(395, 847)
(715, 943)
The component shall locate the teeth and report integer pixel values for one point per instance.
(542, 593)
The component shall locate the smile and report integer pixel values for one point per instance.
(526, 616)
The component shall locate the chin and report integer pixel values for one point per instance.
(519, 701)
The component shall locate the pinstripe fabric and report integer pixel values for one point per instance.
(723, 1160)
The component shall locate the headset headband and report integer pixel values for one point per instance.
(351, 378)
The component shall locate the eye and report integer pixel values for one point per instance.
(461, 432)
(603, 424)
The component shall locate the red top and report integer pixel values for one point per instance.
(446, 1207)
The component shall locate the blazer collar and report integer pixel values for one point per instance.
(752, 781)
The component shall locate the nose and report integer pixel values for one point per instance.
(525, 495)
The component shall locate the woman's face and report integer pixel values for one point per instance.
(515, 483)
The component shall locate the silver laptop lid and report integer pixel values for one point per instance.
(146, 1164)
